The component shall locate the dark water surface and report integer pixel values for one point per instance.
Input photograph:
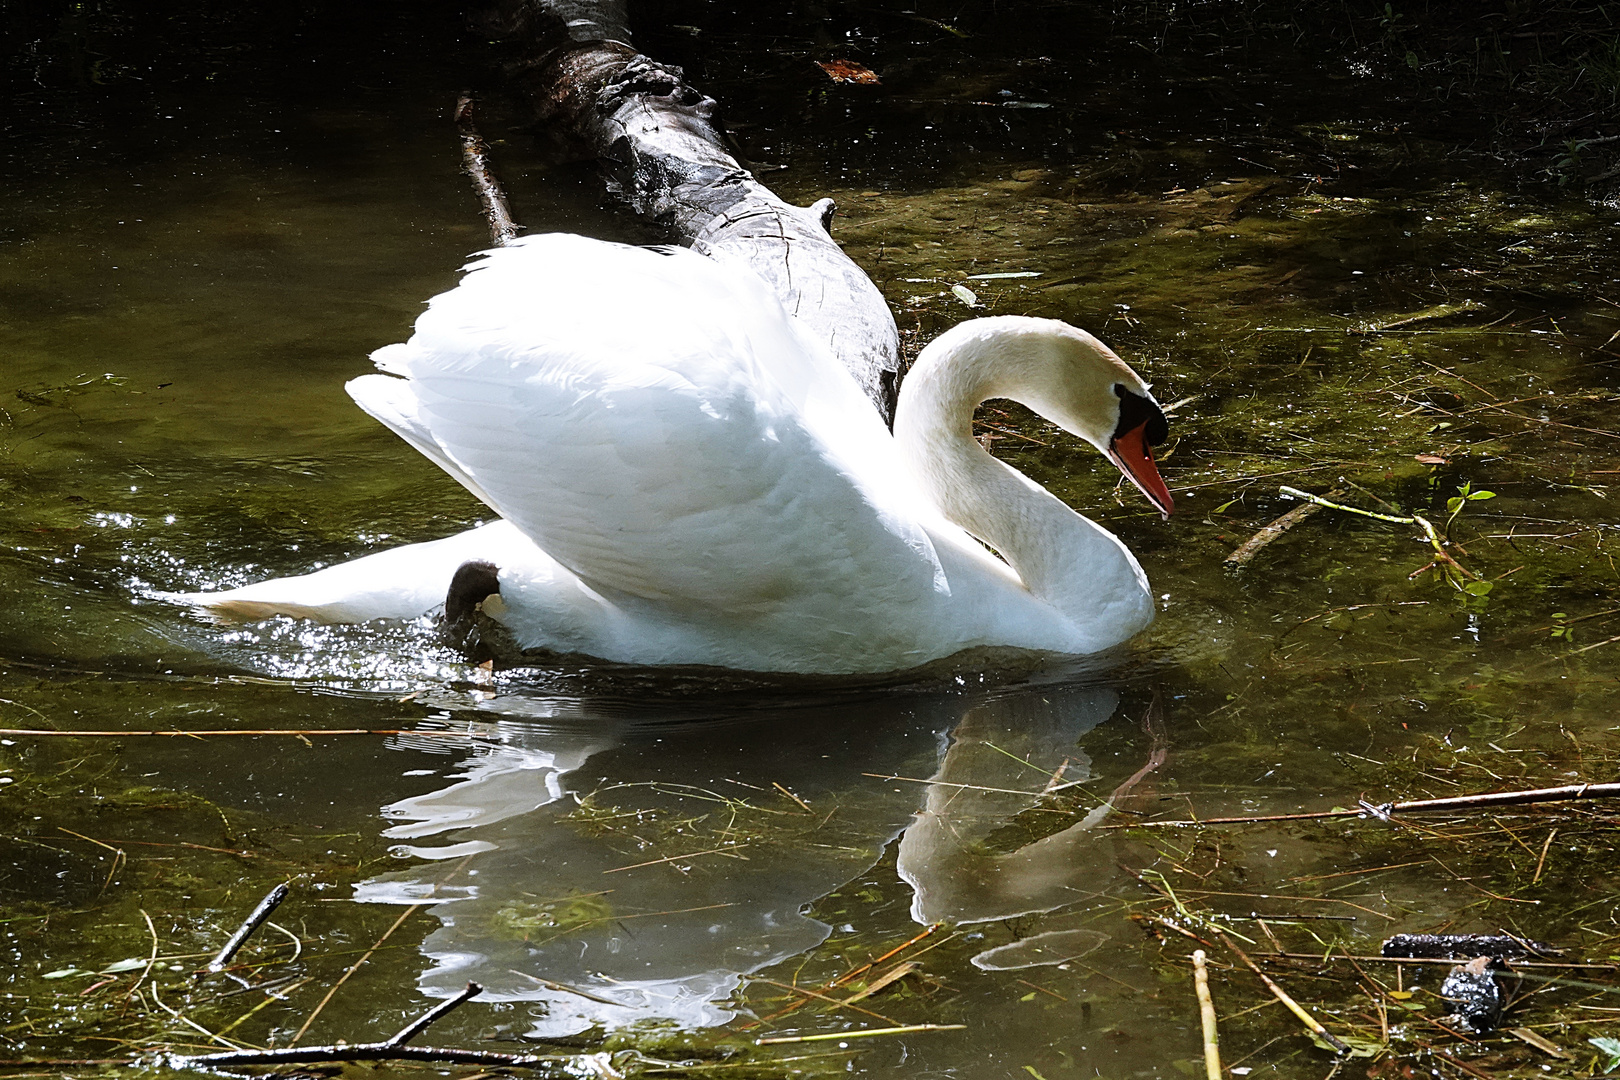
(193, 261)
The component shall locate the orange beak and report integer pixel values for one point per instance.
(1134, 457)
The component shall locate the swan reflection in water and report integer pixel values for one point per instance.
(609, 872)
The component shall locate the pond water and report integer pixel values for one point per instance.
(1335, 293)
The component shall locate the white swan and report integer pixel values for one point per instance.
(684, 476)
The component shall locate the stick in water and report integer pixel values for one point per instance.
(840, 1035)
(1281, 995)
(201, 733)
(266, 908)
(1266, 536)
(1383, 811)
(475, 162)
(1206, 1011)
(417, 1026)
(352, 969)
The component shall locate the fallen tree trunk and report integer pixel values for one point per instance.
(662, 149)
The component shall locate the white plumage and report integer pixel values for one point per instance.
(686, 476)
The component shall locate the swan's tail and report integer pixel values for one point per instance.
(402, 583)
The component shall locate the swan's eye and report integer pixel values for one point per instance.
(1135, 411)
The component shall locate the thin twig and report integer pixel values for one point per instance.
(266, 908)
(894, 974)
(729, 851)
(345, 976)
(1321, 501)
(850, 974)
(966, 787)
(1042, 989)
(433, 1015)
(269, 999)
(932, 927)
(1513, 963)
(829, 999)
(1456, 802)
(903, 1030)
(565, 988)
(1464, 1066)
(186, 1020)
(1281, 995)
(44, 733)
(804, 805)
(1541, 1043)
(119, 859)
(1541, 863)
(151, 961)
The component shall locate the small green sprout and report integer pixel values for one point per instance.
(1465, 495)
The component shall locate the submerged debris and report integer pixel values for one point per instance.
(1476, 999)
(1465, 946)
(1041, 950)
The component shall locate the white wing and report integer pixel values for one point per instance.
(660, 426)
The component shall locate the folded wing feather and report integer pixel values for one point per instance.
(657, 424)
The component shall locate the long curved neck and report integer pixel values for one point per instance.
(1062, 558)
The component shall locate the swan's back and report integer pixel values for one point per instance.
(660, 426)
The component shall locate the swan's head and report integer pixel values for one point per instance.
(1071, 379)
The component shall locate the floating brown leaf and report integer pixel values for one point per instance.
(848, 71)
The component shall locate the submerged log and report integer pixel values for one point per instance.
(1464, 946)
(662, 149)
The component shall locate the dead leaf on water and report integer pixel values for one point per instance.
(848, 71)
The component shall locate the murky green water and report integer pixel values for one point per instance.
(187, 278)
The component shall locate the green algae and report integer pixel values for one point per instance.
(549, 918)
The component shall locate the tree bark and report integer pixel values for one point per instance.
(661, 148)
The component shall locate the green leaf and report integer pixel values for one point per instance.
(1476, 496)
(1453, 505)
(61, 973)
(1478, 588)
(1359, 1047)
(1609, 1046)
